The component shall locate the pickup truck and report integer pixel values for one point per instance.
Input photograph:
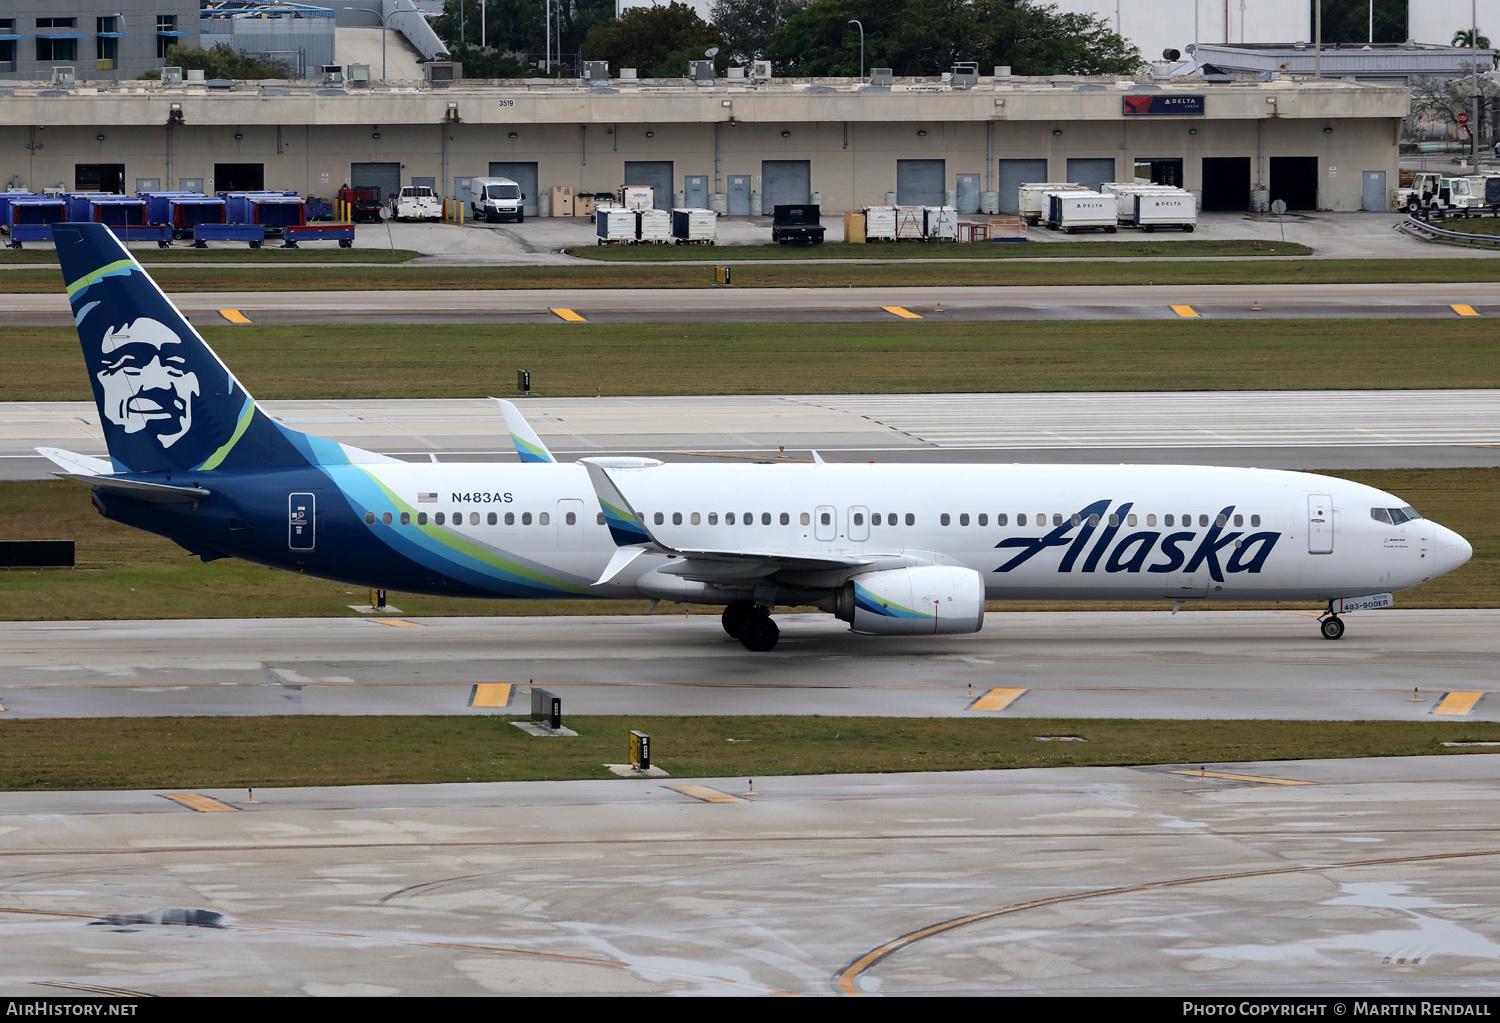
(800, 224)
(416, 202)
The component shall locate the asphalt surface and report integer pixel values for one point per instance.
(798, 305)
(1269, 429)
(1397, 665)
(1258, 880)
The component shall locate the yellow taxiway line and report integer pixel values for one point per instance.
(1464, 310)
(1457, 704)
(706, 794)
(905, 314)
(1185, 311)
(1242, 777)
(567, 314)
(997, 699)
(234, 316)
(490, 695)
(201, 803)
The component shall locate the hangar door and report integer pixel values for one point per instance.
(1295, 180)
(1091, 172)
(1014, 174)
(657, 174)
(384, 176)
(785, 183)
(1226, 183)
(523, 174)
(920, 182)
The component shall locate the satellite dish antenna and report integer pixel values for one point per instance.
(711, 52)
(1191, 47)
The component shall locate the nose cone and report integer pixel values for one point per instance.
(1450, 550)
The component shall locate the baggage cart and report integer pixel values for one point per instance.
(270, 210)
(637, 197)
(1072, 211)
(880, 223)
(1033, 198)
(941, 223)
(655, 227)
(615, 225)
(693, 226)
(252, 234)
(341, 233)
(911, 223)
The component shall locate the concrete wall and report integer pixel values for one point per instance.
(136, 52)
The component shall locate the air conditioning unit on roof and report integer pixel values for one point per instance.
(760, 70)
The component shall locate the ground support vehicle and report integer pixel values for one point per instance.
(1432, 193)
(637, 197)
(941, 223)
(615, 225)
(692, 226)
(1072, 211)
(1033, 198)
(416, 202)
(1150, 207)
(911, 223)
(880, 223)
(29, 218)
(494, 199)
(252, 234)
(341, 233)
(364, 204)
(273, 211)
(654, 227)
(797, 223)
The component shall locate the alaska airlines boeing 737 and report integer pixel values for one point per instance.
(890, 549)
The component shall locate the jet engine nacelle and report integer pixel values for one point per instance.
(933, 600)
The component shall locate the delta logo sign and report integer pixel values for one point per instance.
(1159, 104)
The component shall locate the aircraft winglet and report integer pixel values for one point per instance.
(625, 526)
(528, 445)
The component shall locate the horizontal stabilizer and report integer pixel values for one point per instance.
(72, 462)
(139, 490)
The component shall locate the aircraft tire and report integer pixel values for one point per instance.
(759, 633)
(1332, 627)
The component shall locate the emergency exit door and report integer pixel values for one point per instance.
(825, 522)
(1319, 524)
(301, 520)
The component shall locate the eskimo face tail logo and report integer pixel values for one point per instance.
(147, 385)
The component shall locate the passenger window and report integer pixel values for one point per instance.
(749, 518)
(369, 518)
(1239, 520)
(406, 518)
(474, 518)
(695, 520)
(1221, 520)
(875, 519)
(598, 519)
(1167, 519)
(943, 519)
(1057, 519)
(386, 518)
(983, 520)
(713, 518)
(806, 518)
(572, 519)
(542, 519)
(765, 518)
(1077, 519)
(1255, 520)
(438, 518)
(510, 518)
(729, 518)
(421, 518)
(526, 518)
(1114, 520)
(657, 518)
(963, 520)
(824, 518)
(1130, 520)
(859, 518)
(677, 518)
(911, 520)
(1151, 519)
(1002, 519)
(786, 520)
(492, 518)
(1202, 520)
(1020, 519)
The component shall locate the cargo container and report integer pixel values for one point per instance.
(114, 210)
(615, 225)
(29, 218)
(942, 223)
(880, 223)
(270, 210)
(1152, 210)
(1072, 211)
(911, 223)
(182, 211)
(694, 226)
(1033, 198)
(655, 227)
(637, 197)
(252, 234)
(79, 210)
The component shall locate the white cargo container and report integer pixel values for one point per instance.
(1033, 201)
(694, 226)
(1153, 209)
(655, 227)
(942, 223)
(637, 197)
(880, 223)
(911, 223)
(1081, 211)
(615, 225)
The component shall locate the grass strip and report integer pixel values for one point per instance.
(126, 573)
(270, 256)
(268, 752)
(931, 356)
(1133, 248)
(798, 275)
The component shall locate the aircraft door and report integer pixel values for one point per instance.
(859, 523)
(301, 518)
(570, 525)
(1319, 524)
(825, 522)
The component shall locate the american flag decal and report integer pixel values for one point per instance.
(427, 499)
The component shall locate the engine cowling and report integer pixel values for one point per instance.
(933, 600)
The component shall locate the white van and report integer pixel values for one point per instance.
(494, 199)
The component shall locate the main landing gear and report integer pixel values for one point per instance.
(751, 624)
(1331, 625)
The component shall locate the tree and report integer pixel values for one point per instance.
(490, 63)
(1465, 37)
(657, 41)
(926, 37)
(747, 25)
(221, 61)
(518, 27)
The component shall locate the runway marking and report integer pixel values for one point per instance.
(199, 802)
(117, 992)
(905, 314)
(234, 316)
(706, 794)
(1457, 704)
(847, 979)
(1243, 777)
(1185, 311)
(567, 314)
(1464, 310)
(490, 695)
(398, 622)
(997, 699)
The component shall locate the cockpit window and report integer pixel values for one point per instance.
(1410, 512)
(1394, 516)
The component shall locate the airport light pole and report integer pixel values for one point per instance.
(855, 21)
(381, 18)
